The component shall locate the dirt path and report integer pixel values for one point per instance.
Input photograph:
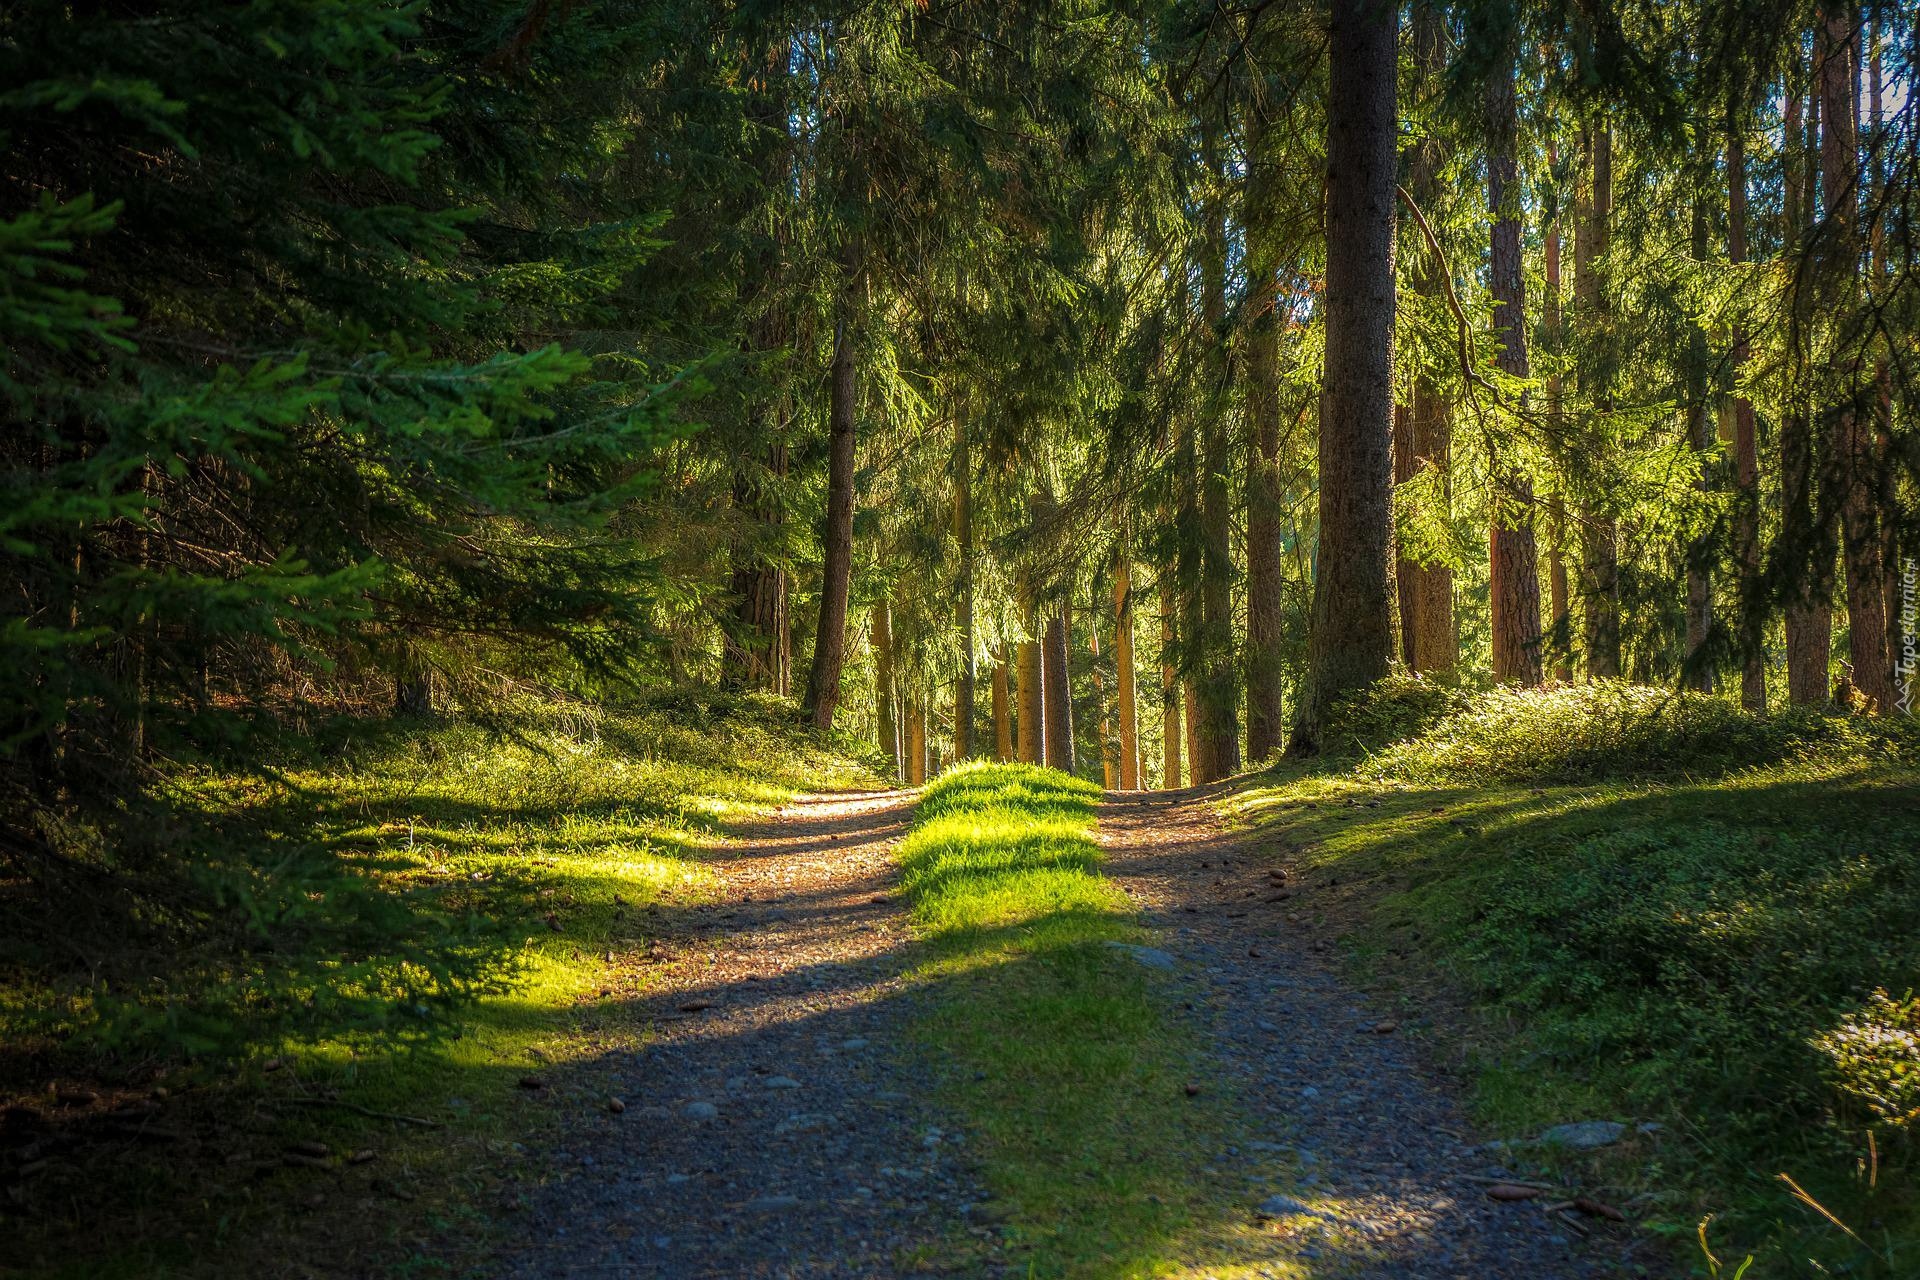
(779, 1138)
(1380, 1145)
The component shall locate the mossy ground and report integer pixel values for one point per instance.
(582, 827)
(1663, 949)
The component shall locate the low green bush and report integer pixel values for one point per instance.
(1611, 729)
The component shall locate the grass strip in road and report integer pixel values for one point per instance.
(1058, 1055)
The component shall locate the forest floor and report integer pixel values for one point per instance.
(796, 1124)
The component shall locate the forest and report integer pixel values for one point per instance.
(992, 637)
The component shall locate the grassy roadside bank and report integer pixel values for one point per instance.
(1615, 922)
(1060, 1056)
(541, 861)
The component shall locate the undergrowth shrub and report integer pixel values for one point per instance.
(1874, 1058)
(1404, 705)
(1575, 733)
(364, 883)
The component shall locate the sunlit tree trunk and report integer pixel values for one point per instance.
(883, 682)
(1850, 434)
(916, 739)
(1802, 546)
(1697, 671)
(1218, 675)
(1513, 564)
(1599, 593)
(1124, 693)
(1265, 577)
(1350, 640)
(1746, 457)
(963, 591)
(1058, 686)
(1033, 735)
(1171, 718)
(1428, 638)
(1002, 711)
(1558, 634)
(830, 638)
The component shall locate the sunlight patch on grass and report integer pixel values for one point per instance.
(1058, 1049)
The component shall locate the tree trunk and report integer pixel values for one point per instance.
(1170, 715)
(883, 685)
(1513, 565)
(1002, 712)
(1033, 736)
(1852, 461)
(1109, 746)
(413, 688)
(963, 590)
(1599, 537)
(1558, 635)
(1802, 547)
(758, 653)
(916, 740)
(1124, 692)
(1350, 641)
(1265, 577)
(1746, 457)
(1428, 637)
(757, 650)
(1696, 670)
(1218, 675)
(1059, 695)
(830, 638)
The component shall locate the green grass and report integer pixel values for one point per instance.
(1656, 936)
(551, 853)
(1060, 1052)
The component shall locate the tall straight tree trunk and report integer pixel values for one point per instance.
(1428, 634)
(1802, 545)
(1746, 456)
(830, 639)
(1033, 735)
(1559, 627)
(1125, 707)
(1058, 685)
(1109, 746)
(1170, 715)
(1218, 673)
(883, 685)
(757, 651)
(1599, 536)
(1697, 672)
(963, 591)
(1513, 564)
(1856, 482)
(1002, 711)
(1350, 641)
(1265, 576)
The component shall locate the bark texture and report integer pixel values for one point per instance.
(1126, 708)
(1350, 641)
(830, 637)
(1058, 694)
(1513, 561)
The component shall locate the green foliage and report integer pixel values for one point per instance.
(1606, 729)
(372, 884)
(1404, 705)
(1710, 954)
(1053, 1046)
(1874, 1057)
(525, 852)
